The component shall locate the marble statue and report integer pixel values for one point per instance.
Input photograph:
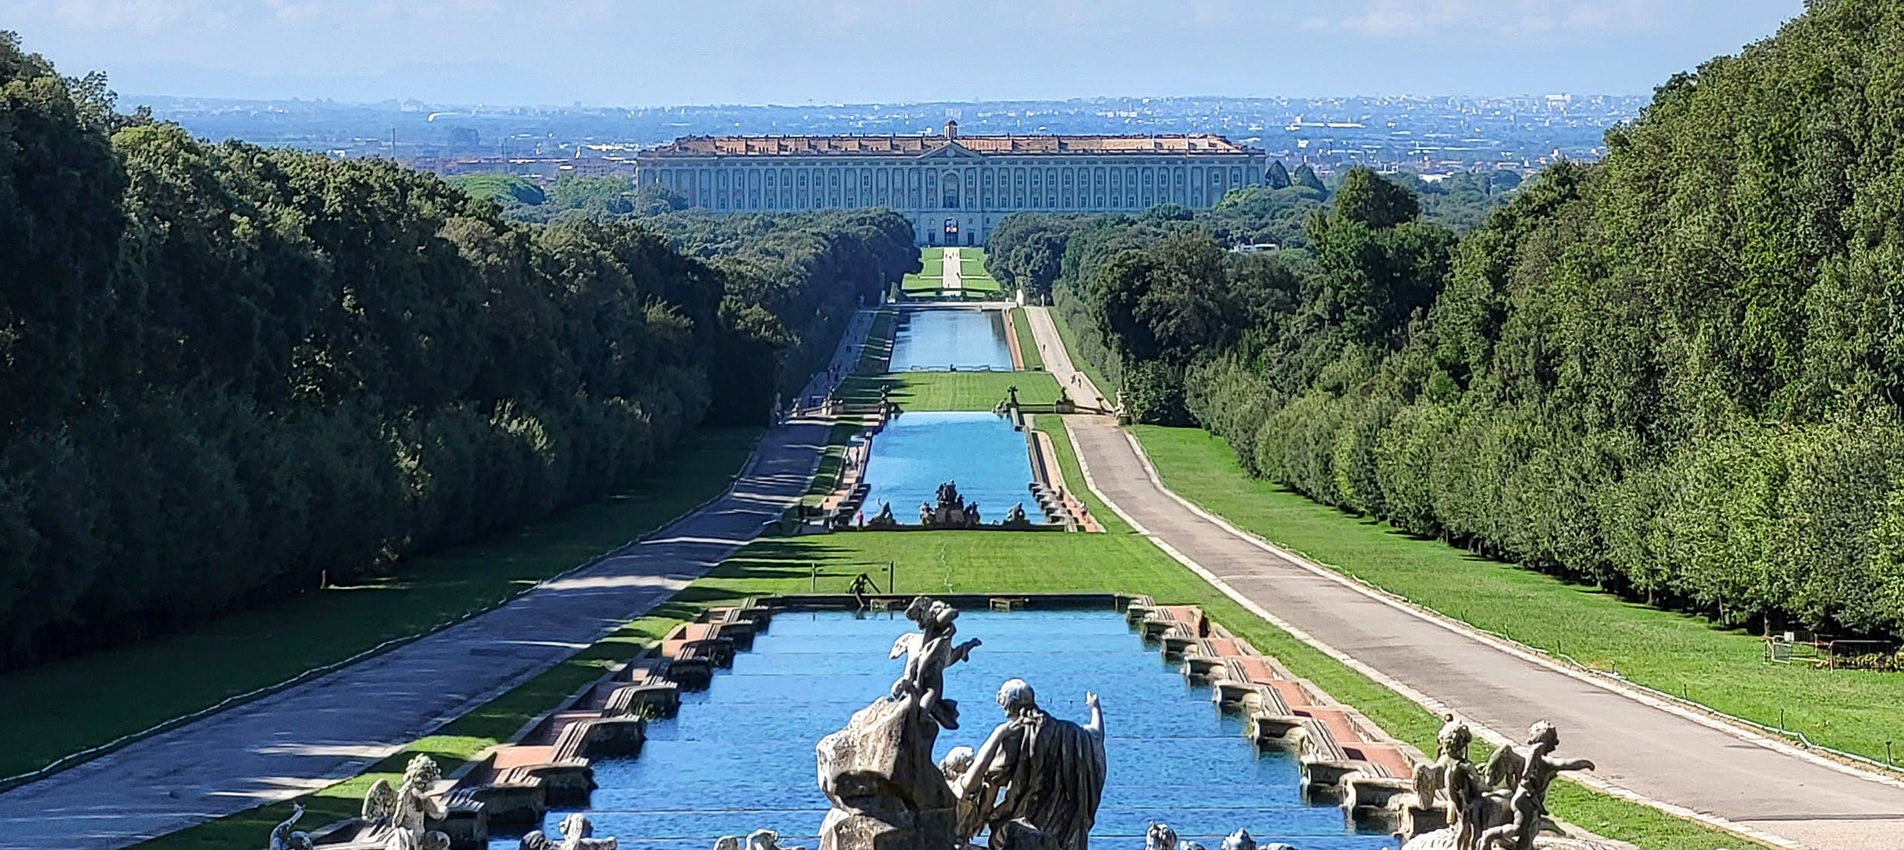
(759, 839)
(1501, 807)
(284, 838)
(575, 832)
(1037, 779)
(883, 519)
(1537, 769)
(948, 510)
(396, 818)
(1035, 783)
(877, 772)
(1015, 518)
(1161, 837)
(1452, 774)
(928, 652)
(1239, 840)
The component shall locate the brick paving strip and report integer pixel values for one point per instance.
(1648, 750)
(332, 727)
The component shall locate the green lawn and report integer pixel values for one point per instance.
(980, 283)
(1004, 562)
(931, 258)
(953, 390)
(922, 282)
(1686, 656)
(1027, 344)
(105, 695)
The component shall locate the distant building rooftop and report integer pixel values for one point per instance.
(917, 145)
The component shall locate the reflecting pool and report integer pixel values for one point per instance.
(917, 452)
(939, 339)
(739, 757)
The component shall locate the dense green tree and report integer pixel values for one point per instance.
(229, 373)
(1674, 374)
(1278, 176)
(1306, 178)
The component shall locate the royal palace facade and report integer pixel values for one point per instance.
(954, 188)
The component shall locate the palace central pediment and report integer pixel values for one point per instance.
(951, 152)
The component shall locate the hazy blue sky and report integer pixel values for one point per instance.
(655, 52)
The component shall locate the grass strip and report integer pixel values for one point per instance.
(195, 669)
(952, 390)
(1027, 343)
(1682, 655)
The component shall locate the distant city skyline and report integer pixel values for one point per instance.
(606, 53)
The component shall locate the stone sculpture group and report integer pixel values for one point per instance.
(398, 818)
(1035, 782)
(1502, 806)
(949, 510)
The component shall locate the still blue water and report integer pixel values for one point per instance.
(936, 340)
(739, 757)
(917, 452)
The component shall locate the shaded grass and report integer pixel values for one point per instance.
(952, 390)
(1682, 655)
(1027, 344)
(874, 355)
(196, 669)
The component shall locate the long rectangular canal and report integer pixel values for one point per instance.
(939, 339)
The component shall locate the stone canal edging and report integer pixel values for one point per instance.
(1344, 758)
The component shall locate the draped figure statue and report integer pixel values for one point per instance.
(1036, 782)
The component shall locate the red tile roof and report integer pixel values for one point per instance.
(918, 145)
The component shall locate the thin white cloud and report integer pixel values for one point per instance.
(144, 16)
(1419, 18)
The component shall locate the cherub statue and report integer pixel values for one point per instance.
(1453, 774)
(576, 832)
(760, 839)
(1239, 840)
(1528, 805)
(928, 652)
(1161, 837)
(282, 836)
(398, 817)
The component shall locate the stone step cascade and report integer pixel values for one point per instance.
(1345, 758)
(510, 788)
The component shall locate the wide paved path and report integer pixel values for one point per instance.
(1058, 359)
(334, 726)
(951, 273)
(1641, 746)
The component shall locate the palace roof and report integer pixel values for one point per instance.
(897, 146)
